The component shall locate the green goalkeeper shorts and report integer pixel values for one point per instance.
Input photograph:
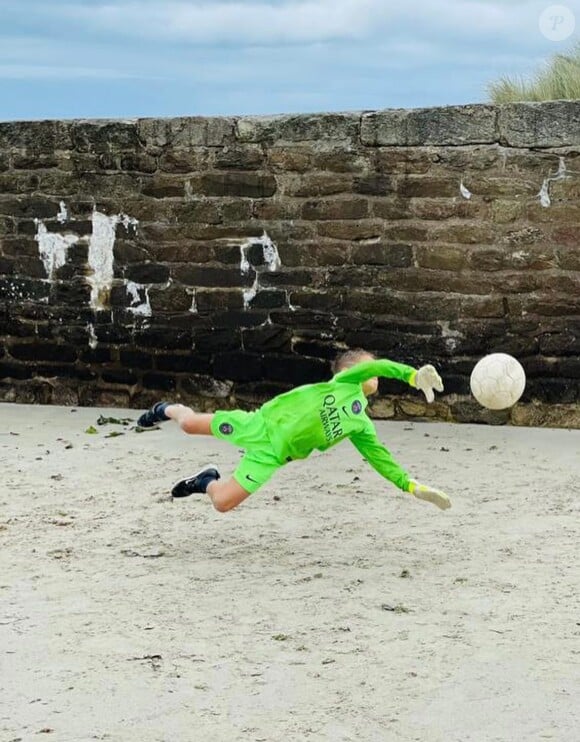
(248, 431)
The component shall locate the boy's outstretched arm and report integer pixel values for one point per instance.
(380, 458)
(426, 378)
(364, 370)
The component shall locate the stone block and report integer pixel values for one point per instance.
(326, 300)
(392, 208)
(6, 266)
(546, 415)
(199, 210)
(192, 362)
(163, 382)
(206, 387)
(164, 186)
(183, 160)
(286, 277)
(294, 370)
(343, 208)
(17, 291)
(136, 359)
(147, 273)
(216, 339)
(317, 184)
(464, 234)
(232, 183)
(427, 186)
(238, 366)
(29, 207)
(439, 209)
(185, 132)
(216, 300)
(36, 136)
(96, 356)
(268, 299)
(276, 209)
(375, 184)
(40, 351)
(138, 162)
(449, 125)
(33, 161)
(120, 376)
(163, 337)
(354, 230)
(325, 351)
(97, 136)
(170, 299)
(547, 124)
(212, 276)
(236, 210)
(505, 210)
(238, 318)
(247, 157)
(443, 257)
(267, 338)
(306, 127)
(9, 370)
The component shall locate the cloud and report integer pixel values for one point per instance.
(44, 72)
(267, 22)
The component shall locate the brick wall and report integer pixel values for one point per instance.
(222, 260)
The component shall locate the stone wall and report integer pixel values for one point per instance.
(222, 260)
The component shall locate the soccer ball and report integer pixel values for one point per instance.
(498, 381)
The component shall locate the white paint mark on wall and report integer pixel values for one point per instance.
(272, 262)
(465, 192)
(93, 340)
(270, 252)
(62, 215)
(128, 221)
(271, 255)
(450, 337)
(193, 307)
(544, 194)
(142, 308)
(53, 247)
(101, 244)
(250, 294)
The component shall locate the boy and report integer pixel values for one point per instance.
(292, 425)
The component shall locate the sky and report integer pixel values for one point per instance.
(127, 58)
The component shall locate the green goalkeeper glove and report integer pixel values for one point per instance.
(423, 492)
(427, 379)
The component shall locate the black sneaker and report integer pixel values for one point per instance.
(196, 483)
(153, 416)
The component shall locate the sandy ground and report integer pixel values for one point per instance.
(327, 607)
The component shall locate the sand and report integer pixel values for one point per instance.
(328, 606)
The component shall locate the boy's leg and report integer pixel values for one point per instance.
(189, 421)
(194, 423)
(226, 495)
(254, 470)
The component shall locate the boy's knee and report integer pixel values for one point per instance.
(222, 506)
(189, 424)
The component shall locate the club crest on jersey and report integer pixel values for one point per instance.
(356, 407)
(226, 428)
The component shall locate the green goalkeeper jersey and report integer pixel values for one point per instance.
(318, 416)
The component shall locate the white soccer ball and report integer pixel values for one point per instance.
(498, 381)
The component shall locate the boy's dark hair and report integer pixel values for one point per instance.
(348, 358)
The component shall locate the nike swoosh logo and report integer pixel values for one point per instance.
(345, 411)
(252, 480)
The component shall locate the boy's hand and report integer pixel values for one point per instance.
(427, 379)
(423, 492)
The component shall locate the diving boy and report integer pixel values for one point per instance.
(293, 424)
